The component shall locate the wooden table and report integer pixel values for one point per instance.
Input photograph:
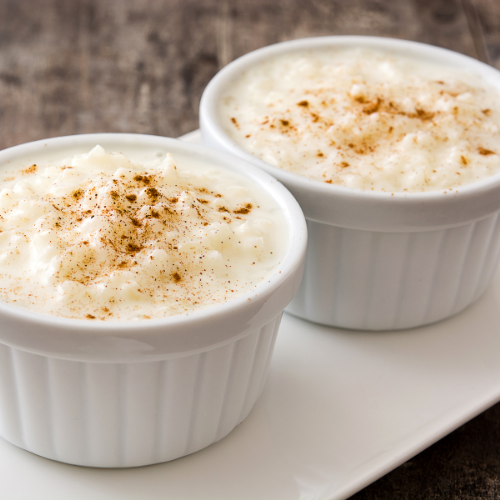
(79, 66)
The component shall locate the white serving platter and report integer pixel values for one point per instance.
(340, 409)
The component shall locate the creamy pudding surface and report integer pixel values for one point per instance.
(367, 119)
(97, 236)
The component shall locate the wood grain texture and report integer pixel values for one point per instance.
(79, 66)
(488, 13)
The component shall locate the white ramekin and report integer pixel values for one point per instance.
(124, 394)
(375, 260)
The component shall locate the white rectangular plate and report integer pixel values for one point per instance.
(340, 409)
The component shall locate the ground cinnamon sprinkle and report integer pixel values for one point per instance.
(485, 152)
(398, 123)
(29, 170)
(243, 210)
(77, 194)
(134, 243)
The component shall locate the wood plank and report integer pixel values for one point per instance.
(488, 13)
(141, 65)
(476, 31)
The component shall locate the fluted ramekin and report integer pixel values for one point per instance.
(125, 394)
(378, 260)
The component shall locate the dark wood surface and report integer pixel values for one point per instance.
(79, 66)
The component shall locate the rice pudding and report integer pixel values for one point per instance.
(366, 118)
(97, 236)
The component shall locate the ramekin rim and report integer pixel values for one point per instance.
(296, 245)
(208, 112)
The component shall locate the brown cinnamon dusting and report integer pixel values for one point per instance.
(423, 115)
(373, 106)
(29, 170)
(145, 179)
(77, 194)
(134, 248)
(244, 210)
(484, 151)
(153, 194)
(125, 228)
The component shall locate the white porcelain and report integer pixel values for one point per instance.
(339, 410)
(384, 397)
(124, 394)
(378, 260)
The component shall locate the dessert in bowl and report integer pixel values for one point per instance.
(390, 148)
(143, 282)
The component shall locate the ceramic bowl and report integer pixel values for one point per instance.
(124, 394)
(376, 260)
